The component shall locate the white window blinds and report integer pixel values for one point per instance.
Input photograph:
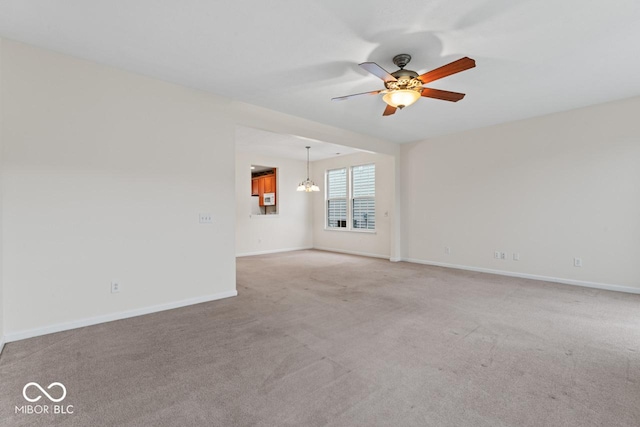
(337, 198)
(363, 201)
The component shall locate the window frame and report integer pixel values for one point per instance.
(349, 200)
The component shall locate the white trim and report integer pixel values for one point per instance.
(350, 230)
(273, 251)
(595, 285)
(393, 259)
(1, 344)
(343, 251)
(59, 327)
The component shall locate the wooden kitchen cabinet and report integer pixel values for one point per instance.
(261, 190)
(269, 183)
(254, 187)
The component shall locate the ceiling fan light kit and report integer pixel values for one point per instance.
(405, 87)
(400, 98)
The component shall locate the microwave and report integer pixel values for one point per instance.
(269, 199)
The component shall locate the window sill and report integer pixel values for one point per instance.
(348, 230)
(252, 216)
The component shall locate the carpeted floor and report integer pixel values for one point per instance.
(323, 339)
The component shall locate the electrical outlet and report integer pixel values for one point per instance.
(206, 218)
(115, 286)
(447, 250)
(516, 256)
(496, 254)
(503, 255)
(577, 262)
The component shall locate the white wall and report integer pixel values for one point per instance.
(374, 244)
(550, 188)
(291, 228)
(1, 197)
(104, 175)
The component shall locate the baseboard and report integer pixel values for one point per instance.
(342, 251)
(272, 251)
(1, 344)
(595, 285)
(59, 327)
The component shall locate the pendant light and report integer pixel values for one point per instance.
(308, 185)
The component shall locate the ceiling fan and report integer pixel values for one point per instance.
(404, 87)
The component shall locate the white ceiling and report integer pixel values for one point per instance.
(534, 57)
(286, 146)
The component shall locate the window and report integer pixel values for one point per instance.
(350, 198)
(337, 198)
(363, 202)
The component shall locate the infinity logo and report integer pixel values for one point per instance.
(43, 391)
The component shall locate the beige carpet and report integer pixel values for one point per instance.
(322, 339)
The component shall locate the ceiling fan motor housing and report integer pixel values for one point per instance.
(405, 79)
(409, 74)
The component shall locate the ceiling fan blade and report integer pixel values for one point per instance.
(447, 70)
(378, 71)
(342, 98)
(389, 110)
(442, 94)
